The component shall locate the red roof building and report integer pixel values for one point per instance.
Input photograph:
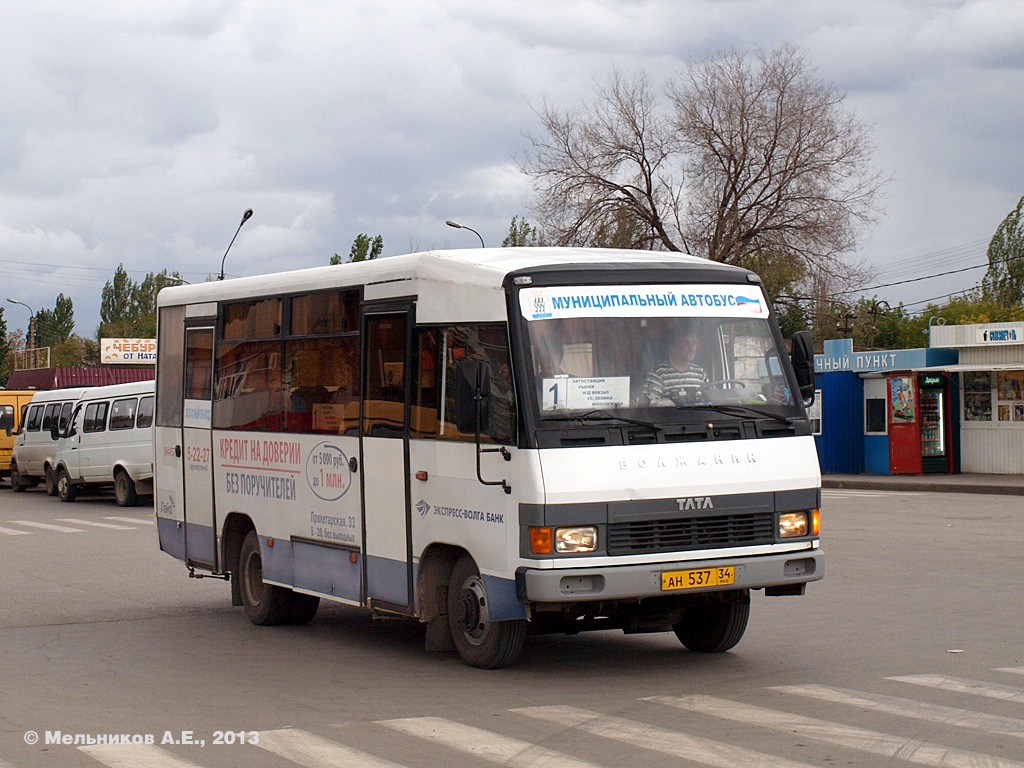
(59, 378)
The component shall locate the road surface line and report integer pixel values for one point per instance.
(674, 743)
(486, 745)
(136, 521)
(12, 532)
(1012, 670)
(136, 756)
(94, 524)
(840, 734)
(47, 526)
(959, 685)
(314, 751)
(916, 710)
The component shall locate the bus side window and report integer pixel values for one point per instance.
(488, 342)
(35, 418)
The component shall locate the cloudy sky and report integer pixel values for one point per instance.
(137, 133)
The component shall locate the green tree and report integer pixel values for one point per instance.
(117, 305)
(54, 326)
(127, 308)
(1004, 281)
(5, 348)
(364, 248)
(521, 234)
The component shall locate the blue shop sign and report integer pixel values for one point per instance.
(839, 356)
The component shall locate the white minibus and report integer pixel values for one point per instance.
(495, 442)
(35, 446)
(108, 441)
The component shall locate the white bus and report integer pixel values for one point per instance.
(490, 441)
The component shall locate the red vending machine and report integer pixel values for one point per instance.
(904, 426)
(935, 451)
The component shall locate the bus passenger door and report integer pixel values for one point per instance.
(384, 466)
(197, 450)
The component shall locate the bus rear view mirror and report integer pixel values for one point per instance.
(472, 391)
(803, 364)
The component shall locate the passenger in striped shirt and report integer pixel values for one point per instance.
(677, 378)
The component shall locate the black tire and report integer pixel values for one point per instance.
(265, 604)
(124, 490)
(66, 490)
(717, 627)
(304, 608)
(16, 483)
(480, 642)
(51, 481)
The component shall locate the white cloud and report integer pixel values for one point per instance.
(138, 133)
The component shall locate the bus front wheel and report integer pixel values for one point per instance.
(480, 641)
(17, 485)
(265, 604)
(716, 627)
(66, 490)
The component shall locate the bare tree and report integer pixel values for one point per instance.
(749, 161)
(607, 163)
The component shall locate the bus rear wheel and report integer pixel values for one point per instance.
(480, 641)
(716, 627)
(124, 490)
(265, 604)
(51, 481)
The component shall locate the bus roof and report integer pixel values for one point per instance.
(441, 275)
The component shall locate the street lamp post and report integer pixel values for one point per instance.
(456, 225)
(30, 340)
(245, 217)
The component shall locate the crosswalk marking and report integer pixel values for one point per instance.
(95, 524)
(959, 685)
(114, 525)
(874, 742)
(503, 750)
(136, 756)
(46, 526)
(300, 747)
(916, 710)
(314, 751)
(674, 743)
(136, 521)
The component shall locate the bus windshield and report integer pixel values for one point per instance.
(654, 347)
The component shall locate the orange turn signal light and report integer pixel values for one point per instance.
(541, 541)
(815, 522)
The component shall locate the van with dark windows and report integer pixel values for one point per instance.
(34, 446)
(108, 441)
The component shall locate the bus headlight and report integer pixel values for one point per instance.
(577, 539)
(793, 524)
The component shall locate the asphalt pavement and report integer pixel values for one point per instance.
(1007, 485)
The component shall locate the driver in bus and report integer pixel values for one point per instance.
(677, 378)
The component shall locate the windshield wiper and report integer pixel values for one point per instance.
(738, 410)
(603, 416)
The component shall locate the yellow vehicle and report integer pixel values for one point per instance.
(12, 405)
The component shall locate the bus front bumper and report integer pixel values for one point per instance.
(779, 573)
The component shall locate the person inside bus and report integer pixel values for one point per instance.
(677, 378)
